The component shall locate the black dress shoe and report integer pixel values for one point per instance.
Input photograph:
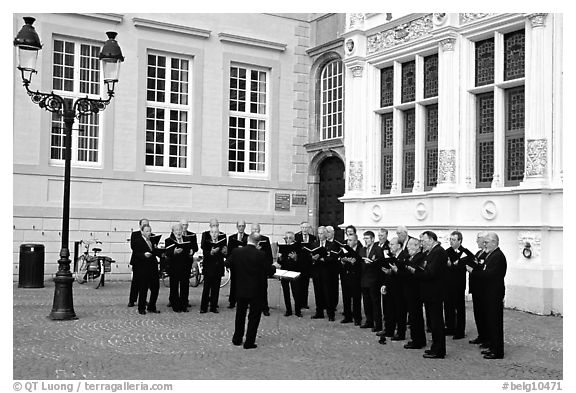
(237, 343)
(366, 325)
(486, 352)
(382, 340)
(428, 351)
(154, 311)
(266, 313)
(433, 356)
(203, 311)
(214, 310)
(131, 304)
(346, 320)
(484, 346)
(287, 313)
(357, 323)
(298, 314)
(411, 345)
(142, 312)
(398, 338)
(458, 337)
(476, 341)
(493, 356)
(317, 316)
(250, 346)
(380, 333)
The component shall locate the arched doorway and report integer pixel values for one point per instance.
(331, 187)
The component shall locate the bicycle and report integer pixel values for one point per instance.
(91, 267)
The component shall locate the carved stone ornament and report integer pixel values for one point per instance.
(532, 238)
(350, 46)
(400, 34)
(439, 18)
(357, 71)
(448, 44)
(537, 20)
(376, 213)
(421, 211)
(537, 157)
(446, 166)
(356, 20)
(488, 210)
(355, 176)
(469, 17)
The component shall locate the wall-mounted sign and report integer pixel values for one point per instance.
(298, 199)
(282, 201)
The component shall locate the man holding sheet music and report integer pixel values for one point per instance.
(193, 250)
(135, 283)
(214, 249)
(266, 247)
(319, 255)
(371, 281)
(306, 239)
(144, 257)
(288, 260)
(236, 240)
(178, 249)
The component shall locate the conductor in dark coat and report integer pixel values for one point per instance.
(135, 283)
(266, 247)
(234, 241)
(491, 279)
(251, 268)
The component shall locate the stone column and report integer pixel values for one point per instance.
(538, 107)
(448, 112)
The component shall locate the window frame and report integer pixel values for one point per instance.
(339, 125)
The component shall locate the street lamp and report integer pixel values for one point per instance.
(28, 44)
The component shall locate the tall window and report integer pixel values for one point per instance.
(409, 155)
(248, 120)
(331, 101)
(387, 152)
(510, 59)
(76, 73)
(167, 112)
(431, 147)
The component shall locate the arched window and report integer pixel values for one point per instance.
(331, 101)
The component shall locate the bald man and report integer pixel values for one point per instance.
(239, 239)
(214, 251)
(193, 239)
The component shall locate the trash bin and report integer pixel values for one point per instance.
(31, 269)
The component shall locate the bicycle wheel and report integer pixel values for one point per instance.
(195, 279)
(226, 278)
(81, 270)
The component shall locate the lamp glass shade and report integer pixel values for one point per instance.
(110, 69)
(27, 59)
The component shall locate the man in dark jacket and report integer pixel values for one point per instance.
(350, 275)
(476, 292)
(371, 281)
(135, 283)
(413, 297)
(266, 247)
(144, 254)
(251, 268)
(234, 241)
(214, 249)
(491, 279)
(178, 255)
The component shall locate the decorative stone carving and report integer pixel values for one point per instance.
(349, 46)
(537, 20)
(355, 176)
(400, 34)
(446, 166)
(376, 213)
(357, 71)
(448, 44)
(488, 210)
(421, 211)
(537, 157)
(534, 239)
(439, 18)
(356, 21)
(469, 17)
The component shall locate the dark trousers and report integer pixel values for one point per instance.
(254, 315)
(351, 298)
(395, 310)
(149, 280)
(303, 283)
(134, 286)
(371, 298)
(179, 289)
(479, 317)
(232, 295)
(455, 310)
(210, 292)
(415, 315)
(329, 280)
(318, 291)
(286, 285)
(434, 309)
(494, 316)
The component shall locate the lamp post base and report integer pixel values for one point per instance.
(63, 307)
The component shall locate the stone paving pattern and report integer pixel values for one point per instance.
(112, 341)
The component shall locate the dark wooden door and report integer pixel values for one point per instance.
(331, 210)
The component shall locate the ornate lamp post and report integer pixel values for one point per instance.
(28, 44)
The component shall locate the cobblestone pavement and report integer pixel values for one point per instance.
(112, 341)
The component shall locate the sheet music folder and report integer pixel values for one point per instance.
(286, 274)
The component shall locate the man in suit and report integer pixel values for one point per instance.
(178, 257)
(266, 247)
(318, 262)
(491, 279)
(135, 283)
(144, 258)
(476, 290)
(413, 296)
(251, 268)
(432, 279)
(455, 296)
(305, 239)
(395, 313)
(214, 249)
(330, 274)
(236, 240)
(193, 239)
(350, 276)
(371, 281)
(288, 261)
